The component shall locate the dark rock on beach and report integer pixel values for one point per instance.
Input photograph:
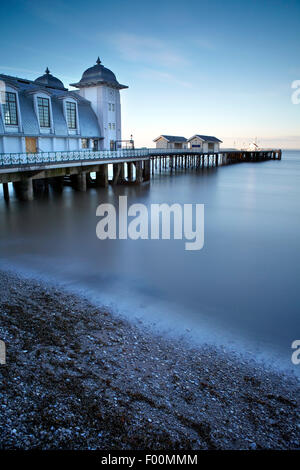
(79, 377)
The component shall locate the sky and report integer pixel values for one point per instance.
(222, 68)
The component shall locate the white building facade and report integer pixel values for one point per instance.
(170, 142)
(204, 143)
(199, 142)
(42, 115)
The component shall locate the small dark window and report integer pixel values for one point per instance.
(10, 109)
(44, 111)
(71, 115)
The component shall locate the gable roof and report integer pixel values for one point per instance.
(205, 138)
(171, 138)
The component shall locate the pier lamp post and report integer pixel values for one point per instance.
(131, 141)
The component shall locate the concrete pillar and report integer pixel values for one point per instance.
(40, 186)
(79, 182)
(24, 189)
(57, 183)
(102, 176)
(116, 173)
(89, 180)
(147, 170)
(130, 171)
(139, 172)
(122, 173)
(5, 191)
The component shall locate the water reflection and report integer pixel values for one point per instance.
(244, 282)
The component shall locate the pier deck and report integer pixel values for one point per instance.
(29, 170)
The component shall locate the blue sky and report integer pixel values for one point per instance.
(212, 67)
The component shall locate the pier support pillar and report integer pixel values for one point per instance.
(147, 170)
(57, 183)
(224, 159)
(116, 173)
(122, 173)
(139, 172)
(5, 191)
(40, 186)
(24, 189)
(90, 182)
(102, 176)
(79, 182)
(130, 171)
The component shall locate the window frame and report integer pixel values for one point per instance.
(6, 107)
(69, 118)
(42, 107)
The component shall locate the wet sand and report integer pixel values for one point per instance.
(79, 377)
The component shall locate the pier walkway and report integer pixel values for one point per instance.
(32, 171)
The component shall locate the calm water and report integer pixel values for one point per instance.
(241, 289)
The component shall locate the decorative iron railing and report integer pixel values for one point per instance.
(15, 159)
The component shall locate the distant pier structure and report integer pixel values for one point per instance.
(32, 173)
(191, 158)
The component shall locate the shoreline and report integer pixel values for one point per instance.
(79, 377)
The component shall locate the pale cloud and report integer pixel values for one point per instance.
(150, 50)
(164, 77)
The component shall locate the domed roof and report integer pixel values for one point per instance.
(48, 80)
(98, 74)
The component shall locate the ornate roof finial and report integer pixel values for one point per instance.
(98, 61)
(47, 71)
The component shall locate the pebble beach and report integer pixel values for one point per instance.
(79, 377)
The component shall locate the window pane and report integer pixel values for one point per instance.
(71, 115)
(44, 112)
(10, 109)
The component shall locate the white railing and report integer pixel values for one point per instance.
(14, 159)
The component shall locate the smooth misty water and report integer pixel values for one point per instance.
(241, 288)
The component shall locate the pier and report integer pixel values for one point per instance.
(31, 173)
